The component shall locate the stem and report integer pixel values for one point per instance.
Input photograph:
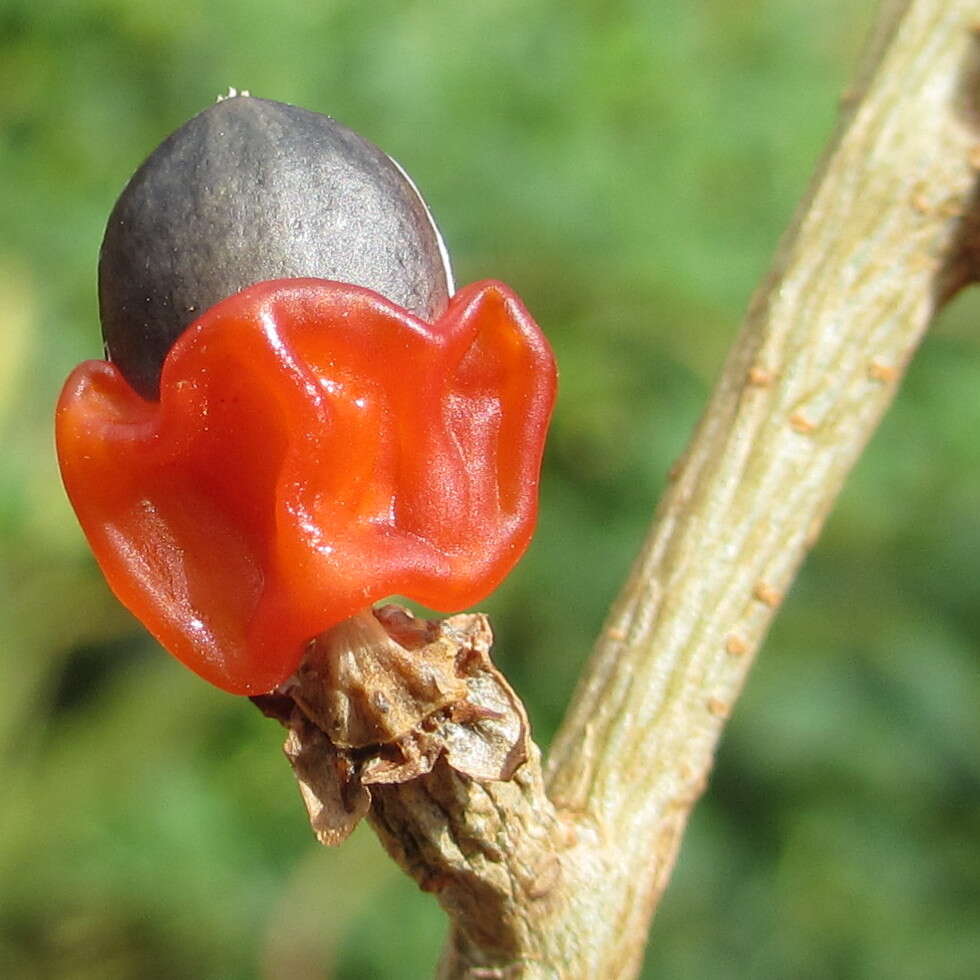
(875, 250)
(887, 234)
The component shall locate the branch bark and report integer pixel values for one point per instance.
(556, 873)
(884, 238)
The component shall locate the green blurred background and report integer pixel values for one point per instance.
(627, 166)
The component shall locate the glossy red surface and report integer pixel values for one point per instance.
(315, 449)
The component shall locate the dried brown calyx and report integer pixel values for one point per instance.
(381, 698)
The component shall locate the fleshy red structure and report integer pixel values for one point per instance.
(315, 448)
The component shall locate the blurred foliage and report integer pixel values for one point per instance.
(628, 167)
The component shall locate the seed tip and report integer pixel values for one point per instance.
(233, 93)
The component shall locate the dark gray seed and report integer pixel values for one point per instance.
(251, 190)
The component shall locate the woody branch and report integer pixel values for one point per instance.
(557, 871)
